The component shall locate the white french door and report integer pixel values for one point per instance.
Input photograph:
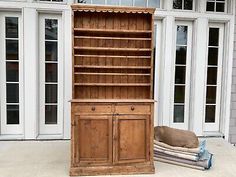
(11, 77)
(213, 78)
(51, 75)
(181, 75)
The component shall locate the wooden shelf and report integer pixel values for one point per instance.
(113, 49)
(112, 67)
(112, 101)
(113, 74)
(113, 38)
(114, 84)
(112, 56)
(113, 31)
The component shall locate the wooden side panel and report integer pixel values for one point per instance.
(95, 139)
(132, 138)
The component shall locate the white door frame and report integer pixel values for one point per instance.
(215, 127)
(11, 129)
(50, 129)
(185, 124)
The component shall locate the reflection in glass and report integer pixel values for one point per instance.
(212, 75)
(112, 2)
(220, 7)
(181, 55)
(179, 94)
(180, 74)
(177, 4)
(211, 95)
(213, 36)
(140, 3)
(51, 72)
(182, 33)
(188, 4)
(126, 2)
(13, 114)
(12, 71)
(210, 114)
(51, 28)
(154, 3)
(50, 114)
(12, 50)
(51, 51)
(98, 1)
(210, 6)
(212, 56)
(178, 113)
(51, 93)
(11, 27)
(12, 93)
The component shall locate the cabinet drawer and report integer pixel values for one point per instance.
(92, 109)
(133, 109)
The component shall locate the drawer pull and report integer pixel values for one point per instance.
(93, 108)
(132, 108)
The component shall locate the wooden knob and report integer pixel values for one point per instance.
(93, 108)
(132, 108)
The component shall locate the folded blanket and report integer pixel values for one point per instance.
(176, 154)
(200, 150)
(205, 161)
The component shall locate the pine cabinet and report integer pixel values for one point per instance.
(112, 105)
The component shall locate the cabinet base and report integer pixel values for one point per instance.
(112, 170)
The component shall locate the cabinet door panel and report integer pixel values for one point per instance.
(132, 143)
(95, 139)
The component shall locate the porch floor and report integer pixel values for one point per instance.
(52, 159)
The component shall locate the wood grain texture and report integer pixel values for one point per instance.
(112, 105)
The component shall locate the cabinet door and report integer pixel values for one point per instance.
(131, 138)
(94, 139)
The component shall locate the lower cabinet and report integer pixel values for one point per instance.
(117, 139)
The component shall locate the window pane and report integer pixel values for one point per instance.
(127, 2)
(180, 74)
(182, 32)
(12, 93)
(112, 2)
(210, 6)
(51, 29)
(181, 55)
(98, 1)
(142, 3)
(50, 114)
(51, 72)
(220, 7)
(211, 95)
(188, 4)
(12, 71)
(179, 94)
(177, 4)
(13, 114)
(51, 93)
(212, 75)
(178, 113)
(154, 3)
(212, 56)
(11, 27)
(51, 51)
(210, 114)
(12, 50)
(213, 36)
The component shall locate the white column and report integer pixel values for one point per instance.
(201, 5)
(67, 72)
(30, 24)
(198, 79)
(166, 71)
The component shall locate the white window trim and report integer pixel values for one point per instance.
(185, 10)
(51, 129)
(213, 12)
(11, 129)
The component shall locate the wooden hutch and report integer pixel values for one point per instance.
(112, 106)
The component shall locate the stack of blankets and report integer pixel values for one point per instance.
(197, 158)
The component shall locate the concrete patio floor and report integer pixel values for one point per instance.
(52, 159)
